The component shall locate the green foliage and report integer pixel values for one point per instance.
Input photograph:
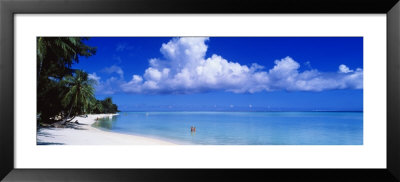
(80, 92)
(108, 106)
(55, 55)
(96, 107)
(104, 106)
(49, 100)
(61, 90)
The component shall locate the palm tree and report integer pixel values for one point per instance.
(96, 107)
(58, 54)
(80, 93)
(108, 106)
(55, 56)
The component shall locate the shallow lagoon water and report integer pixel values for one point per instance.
(242, 128)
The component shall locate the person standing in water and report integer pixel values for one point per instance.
(192, 130)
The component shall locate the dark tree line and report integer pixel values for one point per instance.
(62, 92)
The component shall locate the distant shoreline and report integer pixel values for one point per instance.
(86, 134)
(239, 111)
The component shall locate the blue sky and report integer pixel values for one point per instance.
(228, 73)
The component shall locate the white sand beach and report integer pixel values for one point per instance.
(85, 134)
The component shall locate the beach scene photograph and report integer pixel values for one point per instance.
(199, 91)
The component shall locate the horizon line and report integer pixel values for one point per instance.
(244, 111)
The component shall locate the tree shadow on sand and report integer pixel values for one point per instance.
(48, 143)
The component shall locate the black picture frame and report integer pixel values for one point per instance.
(9, 8)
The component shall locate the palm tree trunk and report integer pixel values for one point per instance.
(69, 111)
(40, 68)
(41, 60)
(66, 119)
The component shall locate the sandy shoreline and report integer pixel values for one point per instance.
(85, 134)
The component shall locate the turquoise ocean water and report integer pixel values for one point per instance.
(242, 128)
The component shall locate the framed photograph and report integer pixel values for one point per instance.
(199, 90)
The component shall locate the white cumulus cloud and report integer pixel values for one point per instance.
(112, 84)
(94, 77)
(344, 69)
(114, 69)
(185, 69)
